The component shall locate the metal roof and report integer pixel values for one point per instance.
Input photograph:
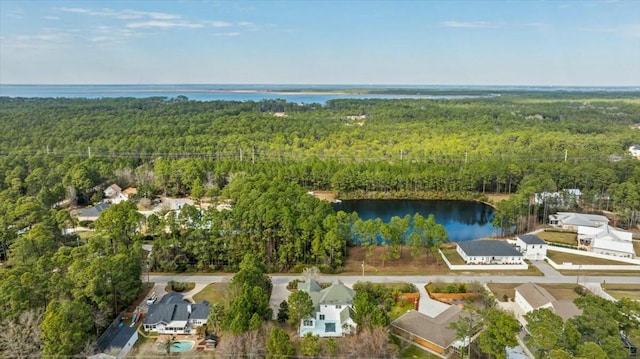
(488, 248)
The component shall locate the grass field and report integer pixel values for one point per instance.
(559, 291)
(85, 235)
(406, 265)
(596, 273)
(568, 238)
(213, 293)
(410, 351)
(561, 257)
(619, 291)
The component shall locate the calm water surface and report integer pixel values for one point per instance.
(463, 220)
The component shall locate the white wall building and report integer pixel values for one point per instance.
(331, 316)
(606, 240)
(532, 247)
(531, 296)
(488, 252)
(571, 221)
(172, 315)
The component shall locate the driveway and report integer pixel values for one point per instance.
(278, 294)
(546, 269)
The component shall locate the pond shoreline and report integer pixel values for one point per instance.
(488, 199)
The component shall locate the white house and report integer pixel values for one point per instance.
(606, 240)
(571, 221)
(562, 198)
(530, 297)
(488, 252)
(333, 306)
(635, 151)
(532, 246)
(172, 315)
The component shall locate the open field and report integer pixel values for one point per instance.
(619, 291)
(213, 293)
(559, 291)
(568, 238)
(497, 197)
(561, 257)
(407, 266)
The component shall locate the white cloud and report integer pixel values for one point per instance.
(470, 24)
(628, 30)
(51, 18)
(163, 25)
(220, 24)
(126, 14)
(227, 34)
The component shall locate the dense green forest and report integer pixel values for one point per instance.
(241, 153)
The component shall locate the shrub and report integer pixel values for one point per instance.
(293, 285)
(409, 288)
(580, 290)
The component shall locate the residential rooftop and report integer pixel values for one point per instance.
(488, 248)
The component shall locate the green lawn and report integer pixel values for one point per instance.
(213, 293)
(501, 289)
(568, 238)
(85, 235)
(561, 257)
(453, 256)
(619, 291)
(399, 309)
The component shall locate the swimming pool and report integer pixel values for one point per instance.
(179, 346)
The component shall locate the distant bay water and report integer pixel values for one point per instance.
(290, 93)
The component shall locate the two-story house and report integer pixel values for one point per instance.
(332, 310)
(172, 315)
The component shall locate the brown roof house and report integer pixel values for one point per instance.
(530, 296)
(430, 333)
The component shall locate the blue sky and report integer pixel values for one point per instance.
(561, 43)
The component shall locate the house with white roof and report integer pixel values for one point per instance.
(172, 315)
(635, 151)
(332, 309)
(489, 252)
(606, 240)
(530, 296)
(562, 198)
(571, 221)
(532, 246)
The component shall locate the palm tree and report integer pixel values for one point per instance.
(168, 342)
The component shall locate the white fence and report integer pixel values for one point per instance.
(565, 266)
(594, 255)
(482, 266)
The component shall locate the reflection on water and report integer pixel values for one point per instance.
(463, 220)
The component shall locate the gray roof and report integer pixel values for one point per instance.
(531, 239)
(172, 308)
(93, 211)
(534, 294)
(122, 338)
(336, 294)
(435, 330)
(115, 337)
(309, 286)
(537, 297)
(488, 249)
(172, 298)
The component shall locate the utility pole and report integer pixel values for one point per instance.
(362, 269)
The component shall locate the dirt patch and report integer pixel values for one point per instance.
(503, 291)
(329, 196)
(405, 265)
(497, 197)
(561, 291)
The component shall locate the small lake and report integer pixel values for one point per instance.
(463, 220)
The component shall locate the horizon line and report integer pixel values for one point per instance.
(313, 84)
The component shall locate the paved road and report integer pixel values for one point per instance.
(349, 280)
